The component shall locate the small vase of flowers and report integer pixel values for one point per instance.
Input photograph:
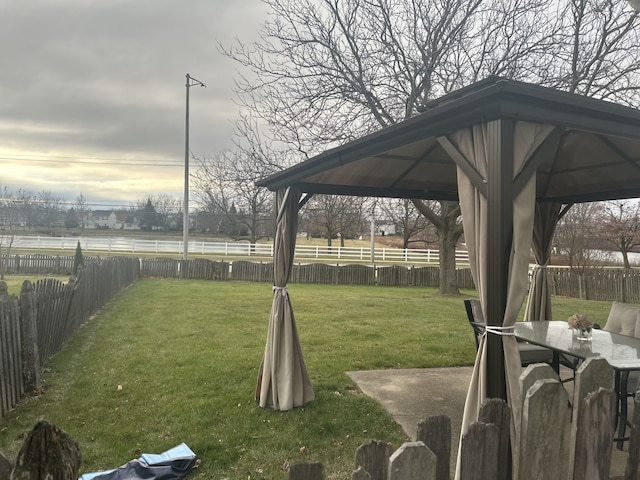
(581, 325)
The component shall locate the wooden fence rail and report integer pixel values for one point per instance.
(310, 273)
(36, 325)
(604, 284)
(598, 284)
(556, 442)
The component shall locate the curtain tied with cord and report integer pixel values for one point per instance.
(283, 381)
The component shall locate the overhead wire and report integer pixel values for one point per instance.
(54, 159)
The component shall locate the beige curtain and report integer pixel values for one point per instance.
(473, 145)
(539, 301)
(283, 381)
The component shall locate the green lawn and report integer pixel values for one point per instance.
(187, 354)
(14, 282)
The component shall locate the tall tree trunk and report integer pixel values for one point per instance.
(448, 284)
(405, 238)
(449, 232)
(625, 258)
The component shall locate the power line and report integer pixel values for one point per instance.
(95, 162)
(56, 159)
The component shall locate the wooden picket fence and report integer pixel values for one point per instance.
(193, 269)
(36, 325)
(598, 284)
(309, 273)
(556, 442)
(39, 264)
(603, 284)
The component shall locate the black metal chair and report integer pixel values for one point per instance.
(529, 353)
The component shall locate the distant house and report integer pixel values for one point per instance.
(112, 220)
(127, 221)
(102, 219)
(385, 227)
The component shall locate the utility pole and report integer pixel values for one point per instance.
(185, 219)
(373, 233)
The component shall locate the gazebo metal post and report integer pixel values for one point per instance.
(499, 228)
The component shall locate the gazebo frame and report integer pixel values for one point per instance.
(500, 142)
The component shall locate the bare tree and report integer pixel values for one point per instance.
(335, 216)
(49, 208)
(82, 209)
(449, 232)
(621, 227)
(575, 239)
(410, 224)
(224, 184)
(26, 206)
(597, 52)
(9, 221)
(327, 71)
(167, 208)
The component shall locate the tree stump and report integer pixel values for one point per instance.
(47, 453)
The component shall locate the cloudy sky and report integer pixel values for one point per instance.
(92, 93)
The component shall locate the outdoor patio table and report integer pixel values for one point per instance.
(621, 351)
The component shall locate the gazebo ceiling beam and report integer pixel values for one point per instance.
(464, 164)
(415, 164)
(546, 150)
(623, 155)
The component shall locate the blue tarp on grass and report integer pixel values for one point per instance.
(170, 465)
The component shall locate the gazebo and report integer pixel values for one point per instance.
(512, 154)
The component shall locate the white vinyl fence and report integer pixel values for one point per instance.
(169, 247)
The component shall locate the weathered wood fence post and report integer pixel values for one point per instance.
(632, 471)
(543, 444)
(374, 458)
(496, 412)
(485, 446)
(412, 461)
(29, 340)
(479, 452)
(592, 425)
(435, 433)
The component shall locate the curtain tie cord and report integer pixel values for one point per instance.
(503, 331)
(279, 289)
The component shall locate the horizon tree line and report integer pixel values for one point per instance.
(582, 235)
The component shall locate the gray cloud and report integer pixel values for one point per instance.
(105, 79)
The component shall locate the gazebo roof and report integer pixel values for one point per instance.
(596, 155)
